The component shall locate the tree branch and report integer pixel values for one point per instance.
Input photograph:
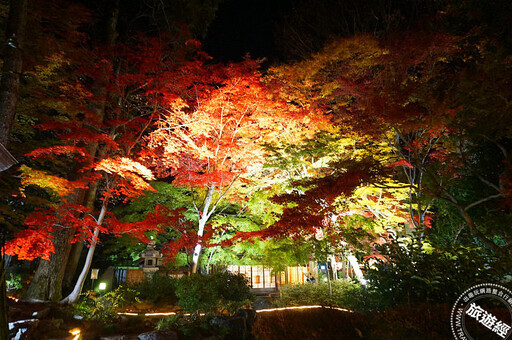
(483, 200)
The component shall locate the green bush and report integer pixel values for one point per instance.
(13, 282)
(308, 294)
(418, 274)
(190, 326)
(157, 289)
(344, 293)
(104, 307)
(216, 293)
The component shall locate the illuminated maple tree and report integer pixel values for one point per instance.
(101, 147)
(212, 140)
(399, 92)
(353, 194)
(121, 177)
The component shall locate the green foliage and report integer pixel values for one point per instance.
(191, 326)
(344, 293)
(216, 293)
(13, 281)
(166, 194)
(104, 307)
(418, 272)
(157, 289)
(122, 250)
(273, 253)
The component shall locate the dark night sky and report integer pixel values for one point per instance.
(279, 30)
(242, 27)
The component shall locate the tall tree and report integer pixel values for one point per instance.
(9, 85)
(401, 89)
(12, 66)
(47, 282)
(212, 139)
(97, 106)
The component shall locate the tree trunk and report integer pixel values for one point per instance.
(328, 278)
(4, 309)
(47, 282)
(334, 266)
(46, 285)
(203, 218)
(198, 247)
(98, 107)
(75, 294)
(9, 87)
(73, 259)
(355, 264)
(11, 69)
(76, 248)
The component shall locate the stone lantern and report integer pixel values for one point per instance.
(151, 258)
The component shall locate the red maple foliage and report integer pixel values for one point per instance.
(102, 148)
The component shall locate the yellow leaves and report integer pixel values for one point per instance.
(133, 172)
(387, 205)
(427, 248)
(362, 52)
(57, 185)
(329, 88)
(177, 105)
(55, 62)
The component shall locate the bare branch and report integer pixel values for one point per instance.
(483, 200)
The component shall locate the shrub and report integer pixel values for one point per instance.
(308, 294)
(191, 326)
(416, 275)
(216, 293)
(157, 288)
(344, 293)
(13, 282)
(104, 307)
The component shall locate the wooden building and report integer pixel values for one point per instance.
(260, 277)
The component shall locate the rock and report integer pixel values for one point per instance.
(41, 314)
(249, 315)
(159, 335)
(143, 306)
(23, 327)
(56, 323)
(219, 322)
(236, 326)
(262, 302)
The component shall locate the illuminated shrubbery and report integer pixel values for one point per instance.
(216, 293)
(344, 293)
(157, 289)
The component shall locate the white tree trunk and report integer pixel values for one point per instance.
(334, 267)
(75, 294)
(359, 274)
(198, 247)
(203, 218)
